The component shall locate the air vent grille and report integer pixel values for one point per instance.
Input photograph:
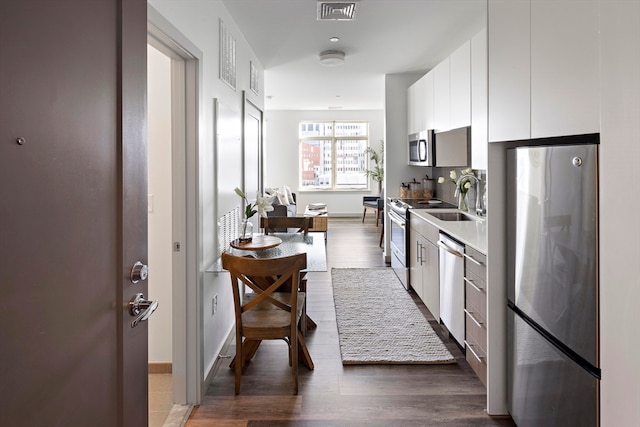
(336, 10)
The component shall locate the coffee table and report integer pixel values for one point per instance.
(320, 219)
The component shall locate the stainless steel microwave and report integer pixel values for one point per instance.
(421, 148)
(443, 149)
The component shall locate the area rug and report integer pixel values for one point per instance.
(379, 323)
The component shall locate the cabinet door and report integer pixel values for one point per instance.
(441, 81)
(431, 279)
(479, 101)
(509, 70)
(411, 110)
(460, 86)
(417, 105)
(429, 101)
(420, 104)
(564, 68)
(416, 255)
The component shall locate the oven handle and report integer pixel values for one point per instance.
(397, 219)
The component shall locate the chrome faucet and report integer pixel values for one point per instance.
(479, 208)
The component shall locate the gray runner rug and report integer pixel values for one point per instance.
(378, 322)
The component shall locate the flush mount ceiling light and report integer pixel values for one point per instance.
(332, 58)
(336, 10)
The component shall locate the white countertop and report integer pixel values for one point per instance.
(472, 233)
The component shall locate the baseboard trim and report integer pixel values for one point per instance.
(160, 367)
(223, 357)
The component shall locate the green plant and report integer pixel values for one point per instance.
(377, 173)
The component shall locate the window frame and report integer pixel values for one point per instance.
(333, 139)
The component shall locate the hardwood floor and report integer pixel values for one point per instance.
(337, 395)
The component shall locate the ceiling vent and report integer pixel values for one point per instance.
(329, 10)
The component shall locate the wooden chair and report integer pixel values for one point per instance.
(269, 312)
(282, 224)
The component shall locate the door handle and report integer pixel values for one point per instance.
(141, 308)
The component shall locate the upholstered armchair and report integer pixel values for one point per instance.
(375, 203)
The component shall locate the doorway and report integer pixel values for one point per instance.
(165, 226)
(173, 210)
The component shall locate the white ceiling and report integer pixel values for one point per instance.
(387, 36)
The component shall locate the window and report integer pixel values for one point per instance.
(332, 155)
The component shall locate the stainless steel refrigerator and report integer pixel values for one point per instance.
(552, 285)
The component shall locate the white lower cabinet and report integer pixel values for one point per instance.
(425, 281)
(416, 255)
(423, 264)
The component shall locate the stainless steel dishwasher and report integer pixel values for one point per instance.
(452, 286)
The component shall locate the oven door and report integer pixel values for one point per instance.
(398, 247)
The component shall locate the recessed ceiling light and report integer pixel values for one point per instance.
(334, 39)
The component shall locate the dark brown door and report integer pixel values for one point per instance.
(72, 212)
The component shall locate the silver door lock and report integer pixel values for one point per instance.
(139, 272)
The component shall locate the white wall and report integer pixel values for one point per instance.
(281, 156)
(619, 236)
(396, 130)
(159, 217)
(198, 21)
(396, 133)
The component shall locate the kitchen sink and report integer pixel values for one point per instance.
(452, 216)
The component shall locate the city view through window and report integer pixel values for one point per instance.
(332, 155)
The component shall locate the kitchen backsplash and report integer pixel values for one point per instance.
(446, 190)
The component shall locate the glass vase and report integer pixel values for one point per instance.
(245, 233)
(462, 201)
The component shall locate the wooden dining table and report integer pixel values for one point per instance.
(312, 243)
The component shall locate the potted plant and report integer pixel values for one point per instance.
(377, 173)
(260, 206)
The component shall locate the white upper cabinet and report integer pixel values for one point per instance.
(564, 68)
(441, 80)
(418, 103)
(460, 87)
(479, 101)
(543, 68)
(429, 101)
(412, 109)
(509, 70)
